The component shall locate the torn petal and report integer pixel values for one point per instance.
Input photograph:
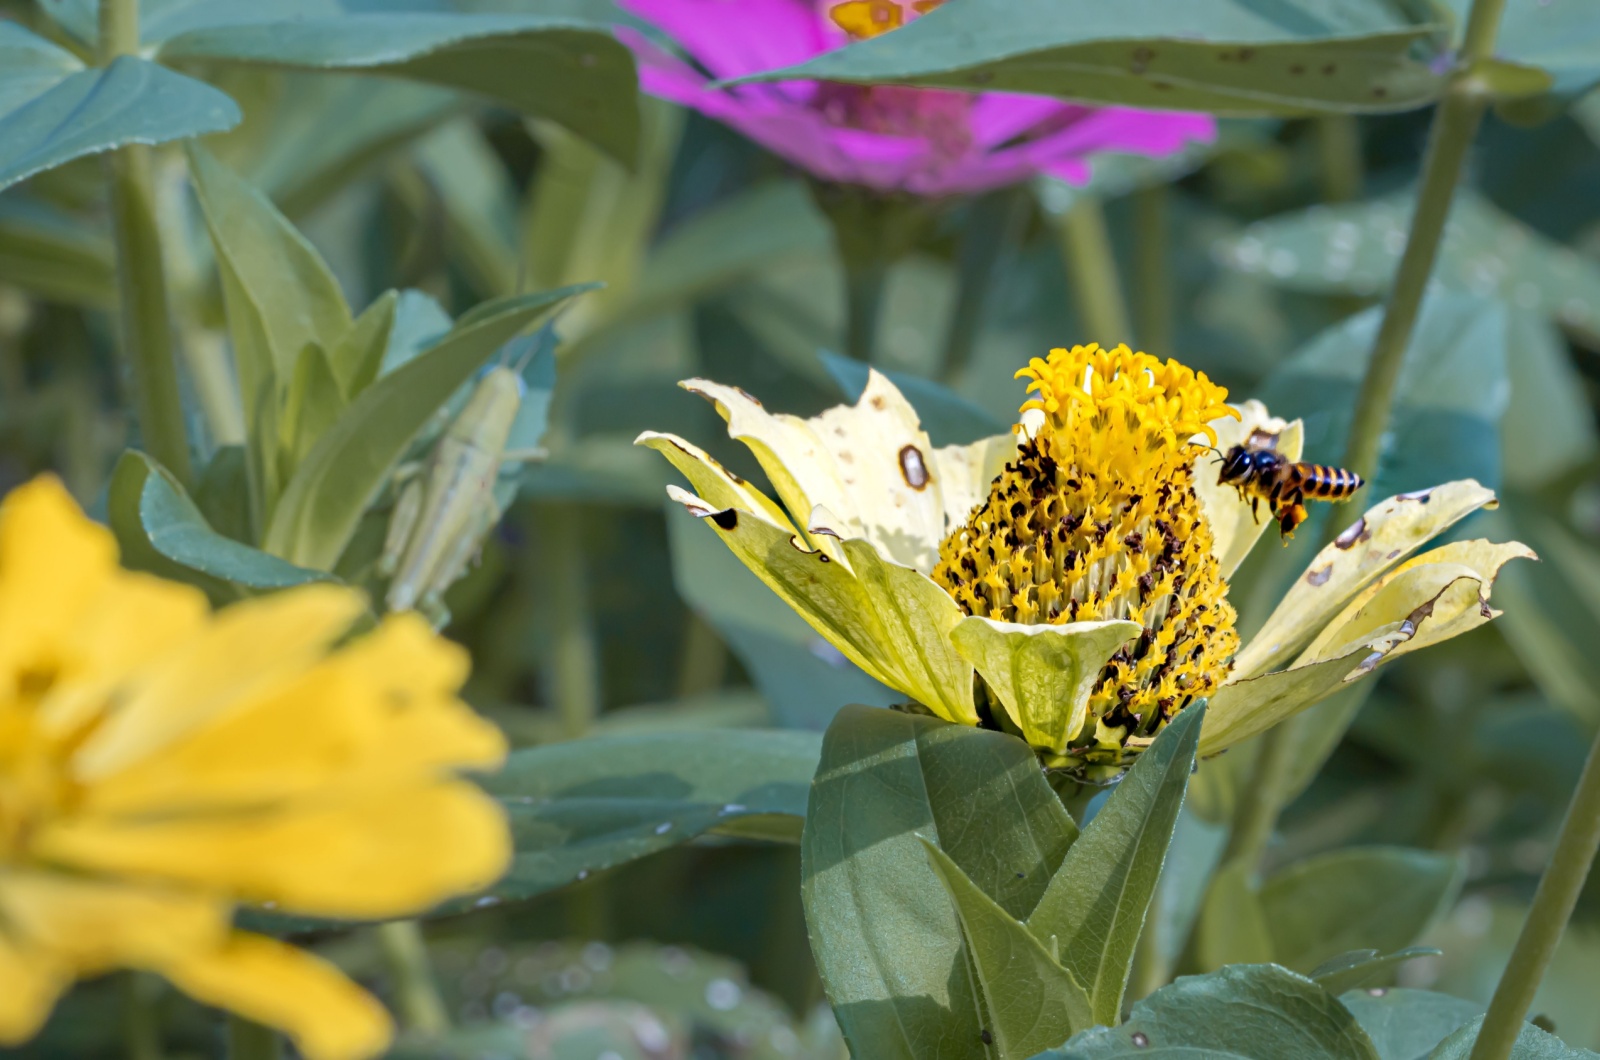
(1370, 546)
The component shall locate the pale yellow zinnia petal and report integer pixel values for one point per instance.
(95, 924)
(965, 473)
(890, 620)
(327, 1016)
(381, 852)
(1370, 546)
(30, 982)
(870, 463)
(249, 649)
(53, 562)
(1235, 526)
(718, 486)
(1042, 674)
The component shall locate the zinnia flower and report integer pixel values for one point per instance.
(160, 764)
(929, 142)
(1069, 583)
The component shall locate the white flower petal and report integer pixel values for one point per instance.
(870, 463)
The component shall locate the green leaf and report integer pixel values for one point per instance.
(479, 203)
(1369, 897)
(129, 102)
(306, 136)
(359, 354)
(1232, 928)
(1451, 393)
(1243, 1012)
(1348, 970)
(338, 479)
(159, 529)
(1548, 429)
(887, 942)
(1219, 55)
(1562, 39)
(587, 805)
(1355, 248)
(1532, 1044)
(29, 66)
(568, 70)
(280, 295)
(311, 405)
(1096, 903)
(54, 255)
(1030, 1002)
(1408, 1024)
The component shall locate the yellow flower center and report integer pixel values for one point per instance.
(1096, 519)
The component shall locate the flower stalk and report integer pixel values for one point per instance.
(1576, 845)
(1455, 124)
(992, 226)
(145, 325)
(1092, 271)
(416, 994)
(1152, 271)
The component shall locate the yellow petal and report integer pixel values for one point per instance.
(381, 710)
(30, 982)
(1370, 546)
(379, 853)
(93, 925)
(133, 620)
(327, 1016)
(890, 620)
(1043, 674)
(250, 649)
(1234, 527)
(869, 463)
(53, 562)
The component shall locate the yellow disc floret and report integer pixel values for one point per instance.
(1096, 518)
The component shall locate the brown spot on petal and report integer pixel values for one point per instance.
(1320, 575)
(913, 468)
(728, 518)
(1420, 496)
(1354, 533)
(878, 402)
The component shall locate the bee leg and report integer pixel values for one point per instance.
(1255, 508)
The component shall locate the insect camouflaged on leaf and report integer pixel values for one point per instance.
(444, 511)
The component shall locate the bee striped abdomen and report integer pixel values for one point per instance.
(1326, 483)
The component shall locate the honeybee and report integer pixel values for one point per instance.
(1258, 471)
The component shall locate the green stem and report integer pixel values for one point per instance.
(864, 283)
(1552, 907)
(416, 993)
(1151, 270)
(145, 325)
(1092, 273)
(1339, 151)
(1455, 124)
(1256, 813)
(993, 225)
(141, 1029)
(248, 1040)
(574, 669)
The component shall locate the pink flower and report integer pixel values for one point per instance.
(926, 141)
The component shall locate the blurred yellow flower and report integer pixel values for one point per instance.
(1068, 582)
(160, 764)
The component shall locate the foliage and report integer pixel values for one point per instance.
(732, 840)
